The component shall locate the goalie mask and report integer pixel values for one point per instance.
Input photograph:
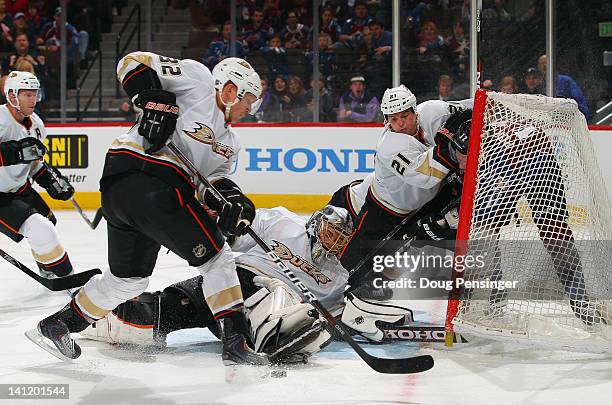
(329, 230)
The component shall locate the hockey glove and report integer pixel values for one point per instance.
(443, 152)
(158, 120)
(55, 183)
(435, 228)
(24, 150)
(234, 215)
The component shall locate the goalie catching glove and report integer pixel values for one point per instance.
(236, 213)
(367, 318)
(282, 326)
(159, 113)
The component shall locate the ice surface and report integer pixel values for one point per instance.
(189, 371)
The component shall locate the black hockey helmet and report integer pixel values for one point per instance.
(461, 137)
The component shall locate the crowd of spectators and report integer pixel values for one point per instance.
(30, 34)
(355, 47)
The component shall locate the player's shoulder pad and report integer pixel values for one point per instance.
(133, 59)
(393, 143)
(433, 108)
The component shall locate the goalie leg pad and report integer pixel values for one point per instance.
(366, 317)
(134, 322)
(184, 307)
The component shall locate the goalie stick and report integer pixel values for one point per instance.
(382, 365)
(53, 284)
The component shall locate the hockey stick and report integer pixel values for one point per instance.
(382, 365)
(97, 218)
(93, 224)
(53, 284)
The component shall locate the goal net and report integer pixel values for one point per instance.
(536, 217)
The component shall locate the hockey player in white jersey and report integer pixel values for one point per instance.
(410, 163)
(23, 213)
(148, 195)
(283, 326)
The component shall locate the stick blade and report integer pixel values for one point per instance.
(411, 365)
(72, 281)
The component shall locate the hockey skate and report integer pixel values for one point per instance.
(586, 312)
(53, 336)
(53, 333)
(242, 364)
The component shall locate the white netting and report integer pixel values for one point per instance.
(542, 218)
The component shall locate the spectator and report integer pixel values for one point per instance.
(276, 56)
(565, 86)
(430, 40)
(272, 14)
(269, 110)
(303, 11)
(326, 101)
(327, 58)
(352, 29)
(280, 91)
(444, 89)
(532, 83)
(22, 51)
(382, 42)
(77, 42)
(34, 22)
(508, 85)
(358, 105)
(378, 60)
(295, 34)
(25, 65)
(329, 25)
(20, 25)
(257, 33)
(459, 47)
(296, 107)
(220, 49)
(339, 8)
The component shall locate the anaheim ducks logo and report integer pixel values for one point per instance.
(298, 261)
(201, 134)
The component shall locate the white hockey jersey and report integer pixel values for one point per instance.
(201, 130)
(285, 232)
(12, 178)
(406, 175)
